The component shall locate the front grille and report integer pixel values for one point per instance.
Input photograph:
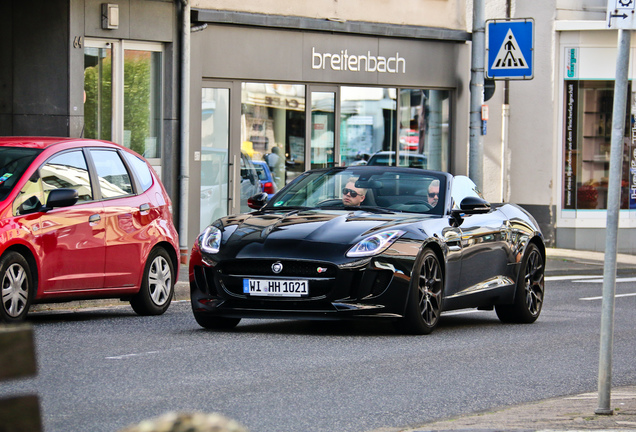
(328, 283)
(295, 269)
(321, 276)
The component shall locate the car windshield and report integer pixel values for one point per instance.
(13, 163)
(388, 189)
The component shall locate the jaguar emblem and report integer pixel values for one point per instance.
(277, 267)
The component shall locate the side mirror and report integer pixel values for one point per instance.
(469, 206)
(257, 201)
(474, 205)
(61, 198)
(248, 174)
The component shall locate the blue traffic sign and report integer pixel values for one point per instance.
(510, 49)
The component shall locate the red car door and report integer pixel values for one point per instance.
(72, 239)
(126, 217)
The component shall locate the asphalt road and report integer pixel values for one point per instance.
(104, 369)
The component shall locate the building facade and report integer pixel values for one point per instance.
(548, 139)
(206, 89)
(318, 93)
(66, 71)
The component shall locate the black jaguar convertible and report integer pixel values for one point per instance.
(400, 244)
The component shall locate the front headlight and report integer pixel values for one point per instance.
(374, 244)
(210, 240)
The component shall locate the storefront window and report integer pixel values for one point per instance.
(367, 122)
(424, 128)
(123, 94)
(98, 98)
(323, 118)
(142, 102)
(273, 127)
(215, 124)
(588, 130)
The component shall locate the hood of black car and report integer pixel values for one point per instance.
(310, 234)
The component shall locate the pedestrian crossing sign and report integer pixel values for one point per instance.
(510, 49)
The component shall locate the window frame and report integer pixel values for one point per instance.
(118, 48)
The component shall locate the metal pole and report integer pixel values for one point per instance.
(613, 208)
(505, 121)
(184, 174)
(476, 150)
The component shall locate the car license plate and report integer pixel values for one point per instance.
(275, 287)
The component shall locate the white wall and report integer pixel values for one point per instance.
(534, 113)
(433, 13)
(522, 168)
(581, 9)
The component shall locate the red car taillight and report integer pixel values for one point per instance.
(268, 187)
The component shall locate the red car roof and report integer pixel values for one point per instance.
(33, 142)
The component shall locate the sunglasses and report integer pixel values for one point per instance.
(351, 193)
(433, 195)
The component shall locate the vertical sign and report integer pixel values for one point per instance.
(570, 160)
(571, 63)
(510, 49)
(620, 14)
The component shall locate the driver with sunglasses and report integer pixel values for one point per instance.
(351, 195)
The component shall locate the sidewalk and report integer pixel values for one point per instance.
(566, 261)
(569, 413)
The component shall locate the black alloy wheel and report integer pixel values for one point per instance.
(16, 288)
(157, 285)
(424, 306)
(529, 292)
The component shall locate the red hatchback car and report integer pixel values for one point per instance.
(82, 219)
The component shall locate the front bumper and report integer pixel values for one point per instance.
(369, 288)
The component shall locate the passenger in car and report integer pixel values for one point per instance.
(433, 193)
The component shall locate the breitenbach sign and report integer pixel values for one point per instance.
(343, 61)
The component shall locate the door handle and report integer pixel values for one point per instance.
(94, 218)
(144, 207)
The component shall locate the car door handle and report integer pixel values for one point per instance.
(144, 207)
(94, 218)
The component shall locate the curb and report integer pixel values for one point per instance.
(596, 257)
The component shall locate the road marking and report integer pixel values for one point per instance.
(568, 277)
(587, 279)
(125, 356)
(601, 297)
(120, 357)
(600, 280)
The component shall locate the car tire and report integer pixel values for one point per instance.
(157, 285)
(16, 287)
(529, 291)
(210, 322)
(424, 304)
